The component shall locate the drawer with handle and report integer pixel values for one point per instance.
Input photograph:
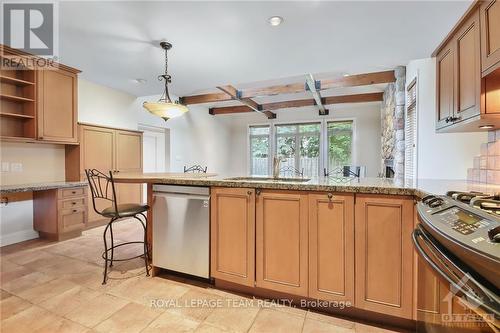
(71, 219)
(71, 192)
(72, 203)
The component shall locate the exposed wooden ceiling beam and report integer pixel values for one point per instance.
(314, 86)
(359, 80)
(358, 98)
(349, 81)
(205, 98)
(236, 95)
(273, 90)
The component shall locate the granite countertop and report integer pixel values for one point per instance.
(4, 189)
(418, 188)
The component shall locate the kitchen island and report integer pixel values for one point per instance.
(339, 241)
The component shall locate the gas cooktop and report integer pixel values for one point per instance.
(467, 224)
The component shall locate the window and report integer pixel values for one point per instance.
(339, 143)
(299, 145)
(305, 147)
(259, 150)
(411, 130)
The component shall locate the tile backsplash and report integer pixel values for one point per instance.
(486, 166)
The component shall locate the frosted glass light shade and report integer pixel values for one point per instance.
(165, 110)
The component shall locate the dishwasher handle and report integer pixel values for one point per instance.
(181, 195)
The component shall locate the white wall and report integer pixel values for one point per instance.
(195, 138)
(444, 155)
(367, 132)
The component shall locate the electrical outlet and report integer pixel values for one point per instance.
(16, 167)
(5, 166)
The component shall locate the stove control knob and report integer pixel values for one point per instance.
(436, 202)
(494, 234)
(428, 198)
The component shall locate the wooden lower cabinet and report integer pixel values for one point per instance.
(232, 232)
(60, 214)
(281, 241)
(331, 247)
(384, 254)
(325, 246)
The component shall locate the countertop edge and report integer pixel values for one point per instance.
(9, 189)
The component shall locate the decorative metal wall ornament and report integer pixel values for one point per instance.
(165, 107)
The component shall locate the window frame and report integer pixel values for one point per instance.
(353, 141)
(412, 83)
(249, 150)
(323, 138)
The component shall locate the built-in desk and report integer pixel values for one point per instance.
(59, 209)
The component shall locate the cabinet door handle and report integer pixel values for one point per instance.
(73, 203)
(249, 192)
(74, 210)
(257, 192)
(330, 196)
(73, 192)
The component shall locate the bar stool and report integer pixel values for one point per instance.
(195, 169)
(103, 192)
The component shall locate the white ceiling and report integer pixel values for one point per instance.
(223, 42)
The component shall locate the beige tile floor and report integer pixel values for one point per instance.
(56, 287)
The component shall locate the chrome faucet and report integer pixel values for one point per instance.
(276, 166)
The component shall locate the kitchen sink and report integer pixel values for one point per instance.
(271, 179)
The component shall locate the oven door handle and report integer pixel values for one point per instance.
(419, 233)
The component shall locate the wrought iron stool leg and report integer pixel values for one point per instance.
(145, 245)
(106, 253)
(146, 236)
(112, 243)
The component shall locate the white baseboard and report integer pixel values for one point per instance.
(17, 237)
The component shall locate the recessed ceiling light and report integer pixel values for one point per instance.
(139, 81)
(346, 75)
(486, 126)
(275, 20)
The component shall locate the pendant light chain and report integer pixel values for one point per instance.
(168, 79)
(165, 107)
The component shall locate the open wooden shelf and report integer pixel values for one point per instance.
(16, 115)
(16, 139)
(16, 98)
(15, 81)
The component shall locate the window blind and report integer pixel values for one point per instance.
(411, 130)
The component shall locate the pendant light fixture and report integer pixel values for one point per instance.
(165, 107)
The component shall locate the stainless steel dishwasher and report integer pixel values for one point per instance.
(181, 229)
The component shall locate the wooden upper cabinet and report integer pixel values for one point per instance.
(128, 159)
(281, 241)
(490, 35)
(331, 247)
(107, 149)
(97, 149)
(384, 254)
(97, 145)
(468, 69)
(445, 84)
(128, 147)
(57, 106)
(232, 232)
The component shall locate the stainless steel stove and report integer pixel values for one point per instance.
(458, 239)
